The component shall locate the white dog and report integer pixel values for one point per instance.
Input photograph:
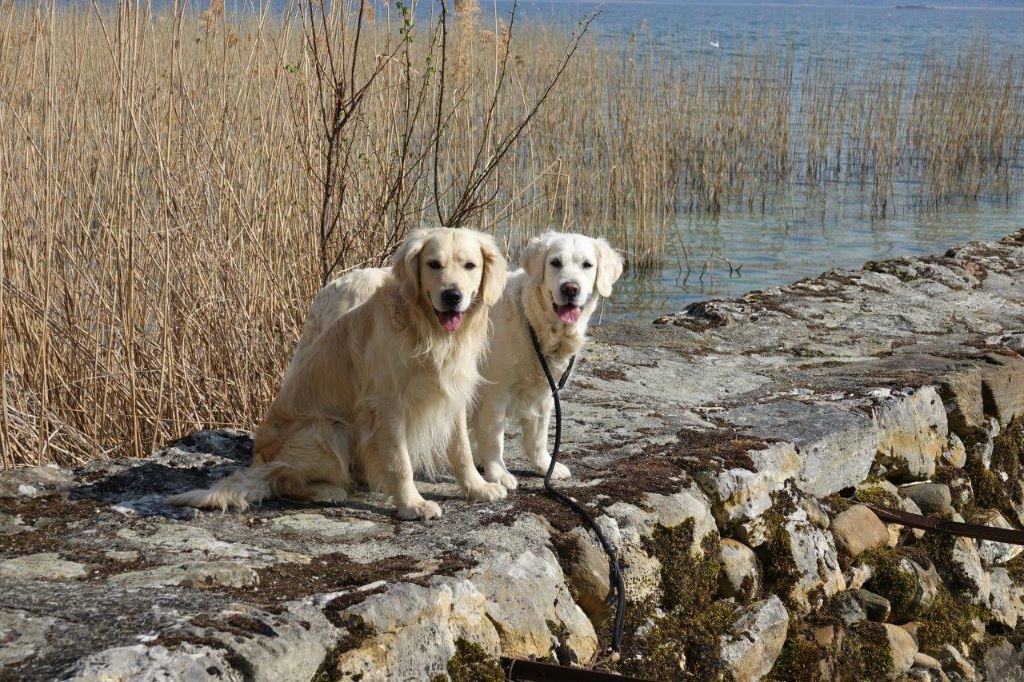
(380, 384)
(555, 292)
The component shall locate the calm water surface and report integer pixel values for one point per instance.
(806, 233)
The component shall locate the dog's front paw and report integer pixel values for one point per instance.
(487, 492)
(561, 471)
(502, 476)
(423, 509)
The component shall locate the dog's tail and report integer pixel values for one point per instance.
(237, 491)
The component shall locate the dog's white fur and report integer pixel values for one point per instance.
(514, 385)
(377, 389)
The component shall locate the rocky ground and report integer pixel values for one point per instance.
(729, 451)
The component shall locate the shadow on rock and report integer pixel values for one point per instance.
(140, 486)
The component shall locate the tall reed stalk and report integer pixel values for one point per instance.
(171, 195)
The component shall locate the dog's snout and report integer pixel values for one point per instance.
(451, 298)
(570, 290)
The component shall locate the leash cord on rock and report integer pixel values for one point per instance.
(609, 548)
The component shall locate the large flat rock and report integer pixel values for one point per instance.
(699, 422)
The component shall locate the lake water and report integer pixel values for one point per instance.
(807, 232)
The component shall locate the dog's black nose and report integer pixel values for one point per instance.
(570, 289)
(451, 298)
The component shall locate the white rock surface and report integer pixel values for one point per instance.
(754, 640)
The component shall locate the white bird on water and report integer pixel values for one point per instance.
(714, 43)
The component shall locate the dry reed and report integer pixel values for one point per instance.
(161, 181)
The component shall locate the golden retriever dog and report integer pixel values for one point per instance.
(380, 383)
(557, 290)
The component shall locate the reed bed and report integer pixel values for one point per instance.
(163, 214)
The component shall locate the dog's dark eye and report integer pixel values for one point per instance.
(434, 264)
(587, 265)
(556, 263)
(470, 266)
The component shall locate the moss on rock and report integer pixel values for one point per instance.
(948, 622)
(676, 636)
(471, 663)
(990, 489)
(781, 574)
(890, 580)
(801, 659)
(864, 653)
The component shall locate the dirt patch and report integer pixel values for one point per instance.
(336, 572)
(661, 468)
(608, 374)
(55, 524)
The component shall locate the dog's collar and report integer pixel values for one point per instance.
(555, 388)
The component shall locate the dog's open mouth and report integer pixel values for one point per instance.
(567, 313)
(450, 320)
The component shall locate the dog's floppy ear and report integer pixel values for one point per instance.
(609, 266)
(405, 264)
(492, 283)
(533, 258)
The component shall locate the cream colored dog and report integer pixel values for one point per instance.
(380, 384)
(556, 292)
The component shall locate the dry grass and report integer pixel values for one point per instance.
(161, 181)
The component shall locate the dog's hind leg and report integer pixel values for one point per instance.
(315, 464)
(325, 492)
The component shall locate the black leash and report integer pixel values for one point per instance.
(609, 548)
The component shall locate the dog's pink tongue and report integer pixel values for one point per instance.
(569, 313)
(450, 321)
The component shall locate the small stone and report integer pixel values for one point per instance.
(858, 529)
(816, 514)
(965, 556)
(1004, 663)
(955, 454)
(912, 433)
(755, 639)
(955, 662)
(857, 575)
(588, 573)
(812, 553)
(740, 575)
(893, 533)
(991, 552)
(961, 394)
(848, 609)
(27, 490)
(1002, 387)
(45, 566)
(739, 495)
(925, 661)
(932, 498)
(912, 629)
(524, 618)
(875, 606)
(903, 649)
(1005, 599)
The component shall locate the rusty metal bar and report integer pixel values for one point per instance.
(534, 671)
(1010, 536)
